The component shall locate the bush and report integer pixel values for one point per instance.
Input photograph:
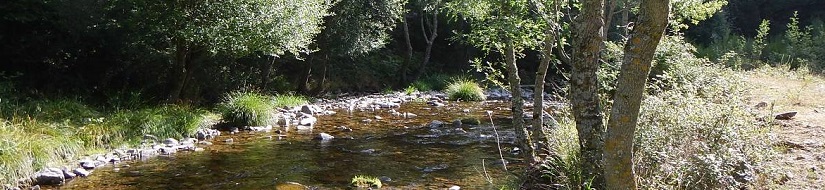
(28, 145)
(247, 109)
(464, 89)
(360, 181)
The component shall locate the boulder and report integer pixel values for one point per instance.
(188, 141)
(308, 121)
(67, 173)
(82, 172)
(49, 176)
(88, 164)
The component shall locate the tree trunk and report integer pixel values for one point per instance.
(522, 136)
(625, 17)
(638, 54)
(609, 10)
(308, 77)
(267, 73)
(179, 72)
(408, 59)
(538, 94)
(430, 40)
(584, 95)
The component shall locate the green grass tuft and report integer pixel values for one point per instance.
(288, 100)
(466, 90)
(248, 109)
(365, 182)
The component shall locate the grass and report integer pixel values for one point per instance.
(465, 89)
(288, 100)
(362, 181)
(248, 109)
(50, 132)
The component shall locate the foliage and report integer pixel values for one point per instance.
(465, 90)
(28, 145)
(693, 11)
(363, 181)
(563, 166)
(410, 90)
(247, 109)
(357, 27)
(432, 82)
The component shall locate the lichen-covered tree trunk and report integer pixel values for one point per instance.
(430, 40)
(638, 54)
(538, 95)
(517, 103)
(408, 46)
(584, 95)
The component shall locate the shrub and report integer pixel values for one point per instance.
(247, 108)
(27, 145)
(464, 89)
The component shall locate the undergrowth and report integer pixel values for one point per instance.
(465, 90)
(694, 130)
(247, 109)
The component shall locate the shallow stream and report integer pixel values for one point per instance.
(405, 153)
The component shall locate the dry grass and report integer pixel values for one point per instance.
(800, 163)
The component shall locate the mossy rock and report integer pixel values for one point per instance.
(470, 121)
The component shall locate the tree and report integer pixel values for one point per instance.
(506, 27)
(584, 97)
(355, 28)
(621, 126)
(190, 30)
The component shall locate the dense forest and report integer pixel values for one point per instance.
(621, 67)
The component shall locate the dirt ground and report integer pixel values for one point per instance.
(801, 160)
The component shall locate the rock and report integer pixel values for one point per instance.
(454, 187)
(409, 115)
(303, 128)
(291, 186)
(188, 141)
(233, 130)
(49, 176)
(466, 110)
(344, 128)
(785, 116)
(261, 128)
(205, 134)
(368, 151)
(324, 137)
(457, 123)
(207, 143)
(435, 104)
(35, 187)
(10, 187)
(435, 124)
(385, 179)
(150, 137)
(470, 120)
(229, 140)
(170, 142)
(328, 112)
(168, 150)
(378, 117)
(308, 121)
(88, 164)
(67, 173)
(307, 109)
(761, 105)
(388, 105)
(82, 172)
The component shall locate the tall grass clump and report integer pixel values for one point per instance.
(288, 100)
(464, 89)
(432, 82)
(247, 109)
(169, 121)
(28, 145)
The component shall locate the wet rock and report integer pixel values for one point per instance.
(308, 120)
(785, 116)
(366, 121)
(170, 142)
(10, 187)
(385, 179)
(292, 186)
(262, 128)
(429, 169)
(470, 121)
(435, 124)
(302, 128)
(35, 187)
(205, 134)
(67, 173)
(324, 137)
(88, 164)
(82, 172)
(368, 151)
(329, 112)
(466, 110)
(207, 143)
(388, 105)
(150, 137)
(233, 130)
(378, 117)
(435, 104)
(457, 123)
(49, 176)
(307, 109)
(168, 150)
(229, 140)
(454, 187)
(344, 128)
(188, 141)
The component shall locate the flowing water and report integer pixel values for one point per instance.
(406, 153)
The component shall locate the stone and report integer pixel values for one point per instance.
(188, 141)
(308, 121)
(409, 115)
(435, 104)
(344, 128)
(207, 143)
(328, 112)
(88, 164)
(378, 117)
(761, 105)
(67, 173)
(324, 137)
(385, 179)
(307, 109)
(170, 142)
(82, 172)
(785, 116)
(454, 187)
(49, 176)
(35, 187)
(168, 150)
(303, 127)
(457, 123)
(229, 140)
(466, 110)
(262, 128)
(435, 124)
